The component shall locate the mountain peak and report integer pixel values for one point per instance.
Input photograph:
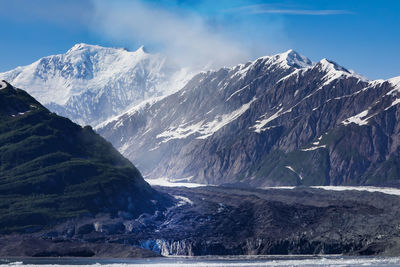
(79, 46)
(142, 49)
(84, 47)
(293, 58)
(329, 65)
(395, 81)
(91, 83)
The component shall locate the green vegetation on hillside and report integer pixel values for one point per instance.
(52, 169)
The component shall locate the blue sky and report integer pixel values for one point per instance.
(362, 35)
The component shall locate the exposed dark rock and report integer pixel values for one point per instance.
(231, 221)
(85, 229)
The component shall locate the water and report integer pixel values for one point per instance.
(207, 261)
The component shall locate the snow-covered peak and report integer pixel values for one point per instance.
(395, 81)
(292, 58)
(88, 76)
(328, 66)
(82, 68)
(287, 60)
(83, 46)
(334, 71)
(142, 49)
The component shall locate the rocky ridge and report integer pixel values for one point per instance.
(279, 120)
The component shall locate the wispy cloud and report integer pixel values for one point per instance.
(186, 37)
(301, 12)
(273, 9)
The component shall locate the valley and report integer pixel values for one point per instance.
(232, 221)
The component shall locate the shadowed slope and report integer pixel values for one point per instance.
(52, 169)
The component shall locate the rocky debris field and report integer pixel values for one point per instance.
(231, 221)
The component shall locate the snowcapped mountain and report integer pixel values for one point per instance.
(279, 120)
(90, 83)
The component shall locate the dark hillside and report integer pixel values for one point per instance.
(52, 169)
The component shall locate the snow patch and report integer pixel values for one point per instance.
(296, 72)
(119, 119)
(260, 124)
(395, 102)
(258, 127)
(291, 168)
(243, 70)
(169, 183)
(236, 92)
(180, 132)
(204, 128)
(385, 190)
(211, 127)
(183, 201)
(313, 148)
(360, 119)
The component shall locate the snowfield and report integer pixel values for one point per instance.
(90, 84)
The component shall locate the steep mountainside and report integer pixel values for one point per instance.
(53, 169)
(90, 83)
(280, 120)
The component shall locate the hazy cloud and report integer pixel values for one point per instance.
(186, 37)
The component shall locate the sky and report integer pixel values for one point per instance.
(362, 35)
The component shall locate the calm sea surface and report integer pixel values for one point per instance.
(208, 261)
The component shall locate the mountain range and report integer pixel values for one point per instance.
(90, 83)
(279, 120)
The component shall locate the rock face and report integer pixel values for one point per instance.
(53, 170)
(227, 221)
(280, 120)
(90, 83)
